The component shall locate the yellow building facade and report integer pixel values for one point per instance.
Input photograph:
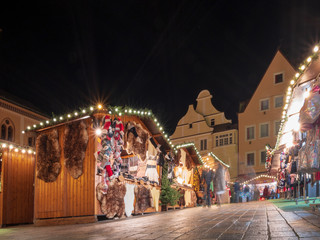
(260, 121)
(210, 131)
(14, 118)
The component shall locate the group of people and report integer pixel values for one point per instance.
(243, 193)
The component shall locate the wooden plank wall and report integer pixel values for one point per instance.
(17, 187)
(68, 197)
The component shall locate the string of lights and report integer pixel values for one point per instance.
(185, 145)
(302, 68)
(17, 148)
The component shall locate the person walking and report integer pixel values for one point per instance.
(236, 190)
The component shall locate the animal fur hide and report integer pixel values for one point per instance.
(136, 145)
(74, 146)
(143, 199)
(48, 156)
(112, 203)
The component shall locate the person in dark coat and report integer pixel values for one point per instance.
(236, 190)
(207, 178)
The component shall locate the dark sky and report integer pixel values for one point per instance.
(61, 55)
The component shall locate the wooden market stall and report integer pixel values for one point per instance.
(16, 184)
(69, 187)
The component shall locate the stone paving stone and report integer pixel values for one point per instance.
(281, 234)
(256, 237)
(285, 238)
(308, 234)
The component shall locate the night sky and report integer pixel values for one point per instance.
(62, 55)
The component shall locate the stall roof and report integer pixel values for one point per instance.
(193, 151)
(308, 71)
(145, 115)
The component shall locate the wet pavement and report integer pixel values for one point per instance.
(254, 220)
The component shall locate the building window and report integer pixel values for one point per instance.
(278, 78)
(250, 159)
(3, 131)
(190, 125)
(212, 122)
(278, 101)
(264, 130)
(263, 156)
(276, 127)
(7, 130)
(250, 133)
(264, 104)
(203, 144)
(224, 139)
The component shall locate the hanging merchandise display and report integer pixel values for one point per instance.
(129, 199)
(75, 145)
(48, 156)
(143, 197)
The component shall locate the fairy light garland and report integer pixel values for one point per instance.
(214, 156)
(260, 176)
(16, 148)
(116, 110)
(301, 70)
(185, 145)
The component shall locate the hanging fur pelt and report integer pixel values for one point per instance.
(48, 156)
(112, 203)
(74, 147)
(136, 140)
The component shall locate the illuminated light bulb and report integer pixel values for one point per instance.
(76, 114)
(34, 125)
(309, 59)
(158, 124)
(134, 111)
(83, 111)
(10, 146)
(149, 113)
(16, 149)
(316, 49)
(166, 135)
(302, 67)
(297, 75)
(91, 108)
(34, 153)
(142, 113)
(23, 151)
(155, 120)
(292, 82)
(61, 118)
(99, 106)
(116, 109)
(41, 123)
(4, 145)
(69, 116)
(126, 110)
(289, 89)
(54, 119)
(130, 111)
(29, 151)
(306, 94)
(138, 112)
(29, 127)
(120, 114)
(160, 128)
(47, 122)
(286, 106)
(110, 112)
(98, 131)
(288, 97)
(23, 132)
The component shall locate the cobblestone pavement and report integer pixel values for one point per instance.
(254, 220)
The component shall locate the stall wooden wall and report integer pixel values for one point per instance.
(68, 197)
(17, 191)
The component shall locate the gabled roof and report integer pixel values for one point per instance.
(193, 151)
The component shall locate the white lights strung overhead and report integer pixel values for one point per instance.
(17, 148)
(260, 176)
(186, 145)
